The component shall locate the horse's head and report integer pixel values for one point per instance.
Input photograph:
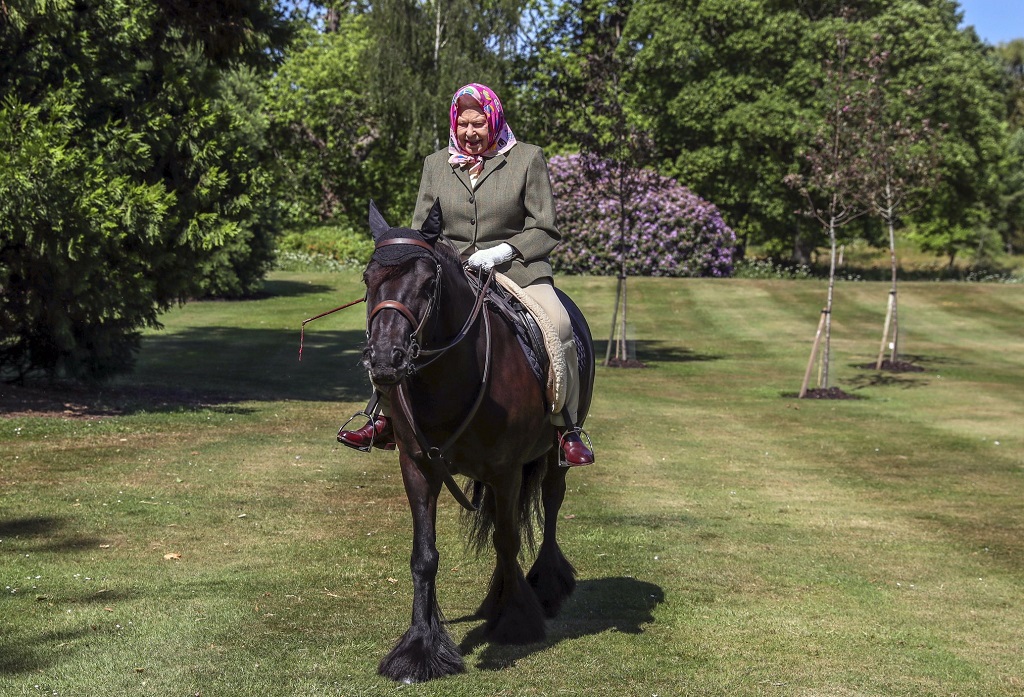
(402, 293)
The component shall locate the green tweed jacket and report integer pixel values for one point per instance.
(512, 203)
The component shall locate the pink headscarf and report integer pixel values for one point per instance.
(499, 136)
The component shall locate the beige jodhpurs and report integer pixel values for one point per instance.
(543, 292)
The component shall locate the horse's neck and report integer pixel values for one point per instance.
(455, 306)
(456, 300)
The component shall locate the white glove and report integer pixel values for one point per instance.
(486, 259)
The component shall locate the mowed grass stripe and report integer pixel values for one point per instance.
(731, 540)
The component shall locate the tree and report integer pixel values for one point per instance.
(420, 52)
(1010, 212)
(726, 86)
(835, 159)
(119, 178)
(900, 166)
(321, 124)
(583, 65)
(1010, 59)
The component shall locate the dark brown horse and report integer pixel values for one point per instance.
(465, 401)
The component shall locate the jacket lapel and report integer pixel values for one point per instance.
(462, 175)
(493, 164)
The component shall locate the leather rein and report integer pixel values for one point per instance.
(438, 455)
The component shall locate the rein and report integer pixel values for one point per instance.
(437, 455)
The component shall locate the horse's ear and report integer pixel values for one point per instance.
(434, 223)
(378, 226)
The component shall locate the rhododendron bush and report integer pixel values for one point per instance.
(674, 232)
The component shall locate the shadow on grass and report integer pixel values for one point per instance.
(22, 533)
(214, 368)
(656, 351)
(901, 380)
(906, 379)
(210, 368)
(258, 364)
(621, 604)
(291, 289)
(34, 653)
(23, 652)
(29, 527)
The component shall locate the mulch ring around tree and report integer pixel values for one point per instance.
(625, 363)
(828, 393)
(895, 367)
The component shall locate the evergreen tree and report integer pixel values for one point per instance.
(119, 174)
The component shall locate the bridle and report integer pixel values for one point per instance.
(416, 349)
(437, 455)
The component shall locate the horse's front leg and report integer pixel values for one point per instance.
(426, 650)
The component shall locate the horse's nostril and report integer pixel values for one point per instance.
(397, 356)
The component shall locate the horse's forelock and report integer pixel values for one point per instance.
(445, 254)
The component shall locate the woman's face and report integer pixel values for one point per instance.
(471, 130)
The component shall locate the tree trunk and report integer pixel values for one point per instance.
(615, 320)
(621, 352)
(895, 297)
(827, 353)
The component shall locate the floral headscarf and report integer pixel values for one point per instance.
(499, 136)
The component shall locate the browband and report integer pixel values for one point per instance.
(404, 240)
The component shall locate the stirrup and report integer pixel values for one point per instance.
(584, 436)
(370, 420)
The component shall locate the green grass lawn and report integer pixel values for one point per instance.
(196, 530)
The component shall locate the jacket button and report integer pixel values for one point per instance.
(472, 200)
(472, 221)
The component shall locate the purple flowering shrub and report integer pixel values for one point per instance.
(674, 231)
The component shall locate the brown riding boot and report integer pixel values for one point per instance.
(575, 453)
(377, 433)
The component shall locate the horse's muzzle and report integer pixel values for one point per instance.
(386, 366)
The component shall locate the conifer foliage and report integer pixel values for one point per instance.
(127, 167)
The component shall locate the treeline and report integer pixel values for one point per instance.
(153, 151)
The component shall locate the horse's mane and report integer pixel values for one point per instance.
(448, 256)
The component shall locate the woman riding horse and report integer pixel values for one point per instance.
(499, 211)
(466, 402)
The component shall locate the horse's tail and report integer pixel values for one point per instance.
(480, 524)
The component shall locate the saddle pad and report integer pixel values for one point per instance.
(556, 382)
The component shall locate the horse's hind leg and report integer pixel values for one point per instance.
(426, 651)
(552, 577)
(514, 616)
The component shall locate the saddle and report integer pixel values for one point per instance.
(536, 334)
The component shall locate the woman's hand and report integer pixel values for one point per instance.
(486, 259)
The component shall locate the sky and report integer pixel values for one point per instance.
(996, 21)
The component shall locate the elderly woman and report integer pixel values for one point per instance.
(500, 213)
